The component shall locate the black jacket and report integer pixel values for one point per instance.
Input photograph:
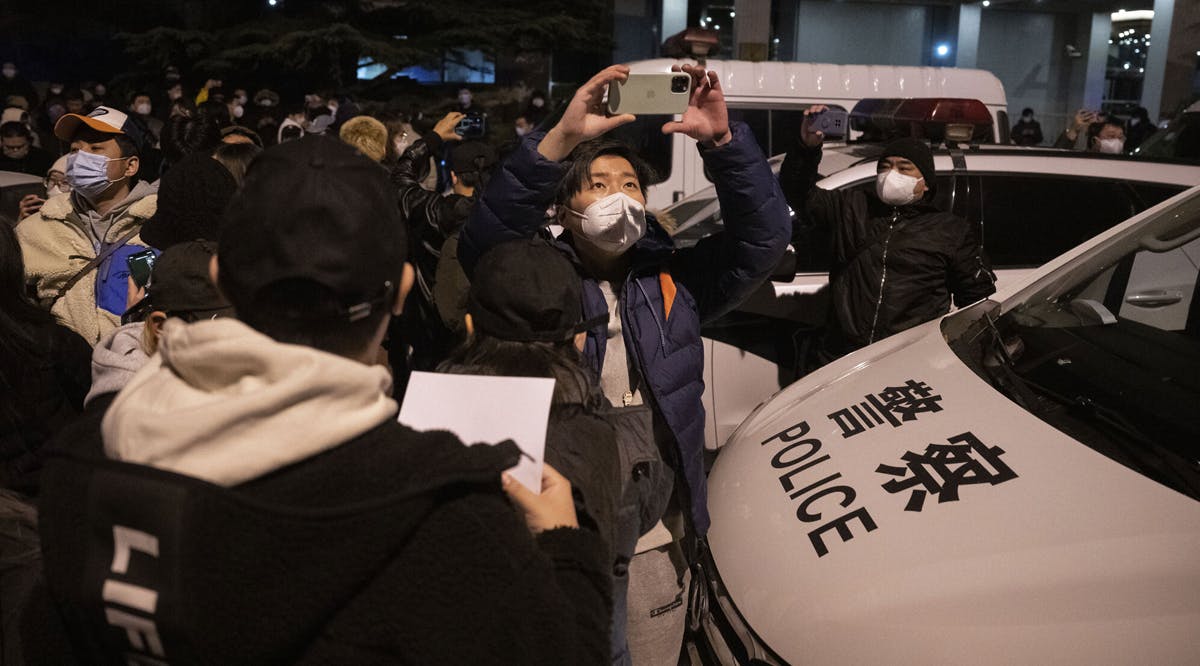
(41, 390)
(430, 219)
(892, 267)
(395, 547)
(430, 216)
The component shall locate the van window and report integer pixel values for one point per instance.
(775, 129)
(1029, 219)
(646, 137)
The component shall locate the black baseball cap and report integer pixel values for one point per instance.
(472, 156)
(180, 285)
(314, 211)
(527, 291)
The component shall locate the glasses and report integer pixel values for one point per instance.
(57, 181)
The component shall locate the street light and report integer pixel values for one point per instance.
(942, 50)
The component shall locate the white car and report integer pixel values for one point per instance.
(1016, 482)
(1033, 204)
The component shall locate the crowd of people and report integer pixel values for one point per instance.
(210, 318)
(1089, 131)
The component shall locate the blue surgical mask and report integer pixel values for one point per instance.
(88, 173)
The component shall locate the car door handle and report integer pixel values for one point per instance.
(1154, 299)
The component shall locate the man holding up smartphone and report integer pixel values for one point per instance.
(649, 356)
(897, 259)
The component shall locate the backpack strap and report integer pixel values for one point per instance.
(91, 266)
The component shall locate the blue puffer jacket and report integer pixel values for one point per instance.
(668, 294)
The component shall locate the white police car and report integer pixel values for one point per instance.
(1017, 482)
(1034, 204)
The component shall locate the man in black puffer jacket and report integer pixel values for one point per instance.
(897, 260)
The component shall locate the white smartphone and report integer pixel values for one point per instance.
(663, 93)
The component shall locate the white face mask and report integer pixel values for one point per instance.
(238, 111)
(521, 131)
(613, 224)
(538, 102)
(895, 188)
(142, 109)
(1112, 146)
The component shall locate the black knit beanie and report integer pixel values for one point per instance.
(917, 152)
(191, 199)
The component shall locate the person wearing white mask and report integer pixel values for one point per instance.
(142, 109)
(1107, 137)
(649, 355)
(897, 260)
(75, 246)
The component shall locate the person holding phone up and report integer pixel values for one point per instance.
(649, 355)
(896, 258)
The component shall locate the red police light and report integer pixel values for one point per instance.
(931, 119)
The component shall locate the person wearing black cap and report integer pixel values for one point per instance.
(179, 287)
(298, 521)
(434, 220)
(75, 246)
(525, 317)
(897, 259)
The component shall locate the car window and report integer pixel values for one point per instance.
(1030, 219)
(1113, 362)
(1152, 194)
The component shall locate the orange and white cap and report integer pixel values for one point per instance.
(103, 119)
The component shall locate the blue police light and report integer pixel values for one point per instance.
(942, 50)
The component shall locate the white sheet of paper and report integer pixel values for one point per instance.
(483, 409)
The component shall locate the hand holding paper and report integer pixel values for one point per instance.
(489, 410)
(553, 508)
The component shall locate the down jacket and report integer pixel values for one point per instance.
(56, 246)
(667, 294)
(893, 267)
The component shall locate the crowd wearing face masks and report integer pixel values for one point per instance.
(220, 298)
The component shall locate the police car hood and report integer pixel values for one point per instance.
(893, 507)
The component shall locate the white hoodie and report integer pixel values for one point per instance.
(227, 404)
(116, 359)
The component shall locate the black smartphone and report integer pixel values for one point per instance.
(140, 265)
(831, 122)
(472, 126)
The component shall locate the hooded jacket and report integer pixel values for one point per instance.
(57, 244)
(667, 294)
(296, 521)
(893, 266)
(116, 359)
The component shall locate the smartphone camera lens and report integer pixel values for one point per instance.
(679, 84)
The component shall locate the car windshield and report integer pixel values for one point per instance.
(1112, 357)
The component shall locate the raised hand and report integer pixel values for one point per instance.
(807, 135)
(706, 119)
(585, 117)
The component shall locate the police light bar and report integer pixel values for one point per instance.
(931, 119)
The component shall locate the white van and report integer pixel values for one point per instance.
(772, 96)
